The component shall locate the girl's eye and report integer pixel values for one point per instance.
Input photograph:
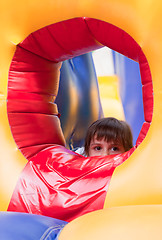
(115, 149)
(98, 148)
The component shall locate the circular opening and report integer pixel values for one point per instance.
(120, 93)
(34, 77)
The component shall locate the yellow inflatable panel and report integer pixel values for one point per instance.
(110, 99)
(136, 182)
(124, 223)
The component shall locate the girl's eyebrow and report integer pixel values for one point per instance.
(99, 143)
(94, 143)
(115, 143)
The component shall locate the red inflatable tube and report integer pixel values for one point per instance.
(50, 184)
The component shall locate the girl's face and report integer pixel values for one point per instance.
(103, 148)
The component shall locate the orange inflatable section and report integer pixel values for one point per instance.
(136, 185)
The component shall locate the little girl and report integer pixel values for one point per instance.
(107, 136)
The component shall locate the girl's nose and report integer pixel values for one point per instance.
(105, 152)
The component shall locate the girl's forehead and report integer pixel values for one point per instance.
(106, 138)
(103, 138)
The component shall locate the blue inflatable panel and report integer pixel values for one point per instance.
(24, 226)
(130, 92)
(78, 98)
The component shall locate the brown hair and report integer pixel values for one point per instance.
(109, 129)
